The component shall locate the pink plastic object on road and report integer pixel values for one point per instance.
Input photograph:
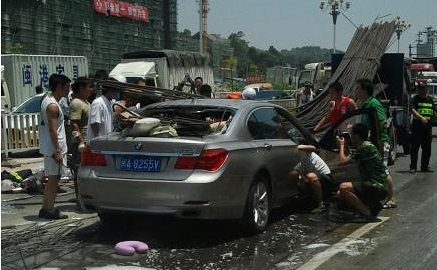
(129, 247)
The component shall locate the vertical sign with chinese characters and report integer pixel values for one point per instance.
(75, 72)
(44, 76)
(27, 75)
(60, 69)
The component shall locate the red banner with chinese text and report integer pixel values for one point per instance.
(122, 9)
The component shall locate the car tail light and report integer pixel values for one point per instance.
(88, 158)
(209, 160)
(186, 163)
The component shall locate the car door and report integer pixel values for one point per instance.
(297, 135)
(329, 148)
(276, 149)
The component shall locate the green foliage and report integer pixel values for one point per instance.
(230, 62)
(295, 57)
(253, 69)
(16, 48)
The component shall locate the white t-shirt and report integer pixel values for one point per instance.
(64, 103)
(312, 163)
(46, 146)
(101, 113)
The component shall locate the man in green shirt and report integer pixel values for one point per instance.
(364, 194)
(364, 92)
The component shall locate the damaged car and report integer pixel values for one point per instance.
(203, 159)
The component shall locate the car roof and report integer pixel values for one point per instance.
(211, 102)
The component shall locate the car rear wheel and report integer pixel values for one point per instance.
(109, 219)
(257, 210)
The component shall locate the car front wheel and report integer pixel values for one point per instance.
(257, 210)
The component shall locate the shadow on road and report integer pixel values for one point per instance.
(174, 233)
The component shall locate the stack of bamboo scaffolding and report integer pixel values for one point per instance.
(150, 91)
(361, 60)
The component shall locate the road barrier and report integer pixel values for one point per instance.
(19, 132)
(288, 104)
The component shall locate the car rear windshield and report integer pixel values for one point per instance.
(194, 121)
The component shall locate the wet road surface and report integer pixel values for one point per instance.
(406, 240)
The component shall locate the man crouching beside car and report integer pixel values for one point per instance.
(313, 174)
(365, 194)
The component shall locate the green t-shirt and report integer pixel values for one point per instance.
(373, 102)
(370, 165)
(80, 111)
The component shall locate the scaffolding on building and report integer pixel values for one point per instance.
(74, 28)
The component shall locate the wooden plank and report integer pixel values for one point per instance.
(16, 132)
(10, 131)
(22, 138)
(5, 147)
(28, 130)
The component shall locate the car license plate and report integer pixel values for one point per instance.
(140, 164)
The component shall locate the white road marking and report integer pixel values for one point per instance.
(324, 256)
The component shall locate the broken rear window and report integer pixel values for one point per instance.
(194, 121)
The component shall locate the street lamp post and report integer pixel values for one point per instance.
(400, 27)
(335, 5)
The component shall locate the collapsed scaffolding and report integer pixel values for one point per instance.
(361, 60)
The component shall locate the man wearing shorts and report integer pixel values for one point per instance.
(314, 173)
(53, 143)
(364, 194)
(364, 92)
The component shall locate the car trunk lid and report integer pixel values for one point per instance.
(145, 158)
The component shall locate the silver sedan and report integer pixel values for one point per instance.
(230, 160)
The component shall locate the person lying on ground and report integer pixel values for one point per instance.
(366, 193)
(314, 174)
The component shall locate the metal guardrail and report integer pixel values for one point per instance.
(288, 104)
(19, 132)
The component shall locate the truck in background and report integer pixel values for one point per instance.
(284, 77)
(165, 68)
(430, 78)
(22, 74)
(318, 74)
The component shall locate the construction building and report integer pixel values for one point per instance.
(101, 30)
(219, 49)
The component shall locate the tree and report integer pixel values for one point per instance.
(295, 57)
(241, 49)
(230, 63)
(253, 70)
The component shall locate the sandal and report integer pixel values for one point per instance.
(389, 204)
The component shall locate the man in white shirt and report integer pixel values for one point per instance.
(53, 143)
(101, 117)
(307, 94)
(314, 173)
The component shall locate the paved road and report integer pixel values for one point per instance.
(406, 238)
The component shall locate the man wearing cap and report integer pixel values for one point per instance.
(306, 95)
(424, 114)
